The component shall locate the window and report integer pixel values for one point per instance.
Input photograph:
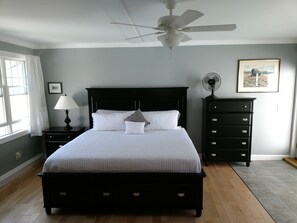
(14, 99)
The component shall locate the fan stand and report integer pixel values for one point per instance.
(212, 96)
(212, 85)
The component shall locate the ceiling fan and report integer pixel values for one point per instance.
(172, 26)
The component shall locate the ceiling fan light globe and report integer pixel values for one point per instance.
(170, 40)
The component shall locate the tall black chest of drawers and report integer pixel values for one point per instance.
(227, 129)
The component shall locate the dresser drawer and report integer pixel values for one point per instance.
(229, 143)
(229, 155)
(230, 119)
(229, 131)
(230, 106)
(60, 136)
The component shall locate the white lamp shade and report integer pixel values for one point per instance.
(66, 102)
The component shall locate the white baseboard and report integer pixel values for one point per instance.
(268, 157)
(15, 171)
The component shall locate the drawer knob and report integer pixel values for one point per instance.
(181, 194)
(136, 194)
(244, 131)
(213, 131)
(213, 154)
(106, 194)
(51, 136)
(214, 107)
(243, 154)
(68, 137)
(213, 143)
(214, 119)
(245, 119)
(243, 143)
(63, 194)
(245, 106)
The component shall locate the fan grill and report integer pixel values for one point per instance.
(211, 82)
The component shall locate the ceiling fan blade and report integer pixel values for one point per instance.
(186, 18)
(145, 35)
(227, 27)
(128, 24)
(185, 38)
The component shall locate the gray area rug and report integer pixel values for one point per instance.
(274, 184)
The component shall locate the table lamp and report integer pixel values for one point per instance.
(66, 103)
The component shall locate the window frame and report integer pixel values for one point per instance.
(12, 135)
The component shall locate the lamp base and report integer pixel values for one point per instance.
(67, 121)
(68, 127)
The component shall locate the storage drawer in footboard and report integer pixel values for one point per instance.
(173, 196)
(71, 197)
(106, 194)
(182, 195)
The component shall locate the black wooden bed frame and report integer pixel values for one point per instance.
(128, 190)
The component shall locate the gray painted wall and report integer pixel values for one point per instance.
(29, 146)
(78, 69)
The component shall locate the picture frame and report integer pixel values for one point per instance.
(258, 75)
(55, 88)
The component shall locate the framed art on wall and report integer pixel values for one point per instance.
(55, 88)
(258, 75)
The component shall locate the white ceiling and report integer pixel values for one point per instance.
(86, 23)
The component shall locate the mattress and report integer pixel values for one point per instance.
(170, 151)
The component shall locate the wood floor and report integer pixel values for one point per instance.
(226, 200)
(292, 161)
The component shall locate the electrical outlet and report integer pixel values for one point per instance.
(18, 155)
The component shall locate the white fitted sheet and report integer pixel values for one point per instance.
(170, 151)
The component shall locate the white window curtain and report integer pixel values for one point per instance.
(38, 109)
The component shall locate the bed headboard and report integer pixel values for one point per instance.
(147, 99)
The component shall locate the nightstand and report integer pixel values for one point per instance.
(55, 137)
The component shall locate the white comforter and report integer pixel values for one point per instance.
(170, 151)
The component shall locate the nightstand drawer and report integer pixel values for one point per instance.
(230, 119)
(230, 106)
(229, 131)
(60, 136)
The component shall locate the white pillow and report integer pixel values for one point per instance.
(110, 121)
(162, 120)
(134, 127)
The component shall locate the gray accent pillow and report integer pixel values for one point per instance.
(137, 116)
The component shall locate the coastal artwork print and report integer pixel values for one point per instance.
(261, 75)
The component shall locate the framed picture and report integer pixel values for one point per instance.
(55, 88)
(258, 75)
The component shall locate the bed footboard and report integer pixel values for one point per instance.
(180, 191)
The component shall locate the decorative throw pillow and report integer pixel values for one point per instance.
(137, 116)
(134, 127)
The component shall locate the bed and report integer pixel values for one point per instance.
(153, 189)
